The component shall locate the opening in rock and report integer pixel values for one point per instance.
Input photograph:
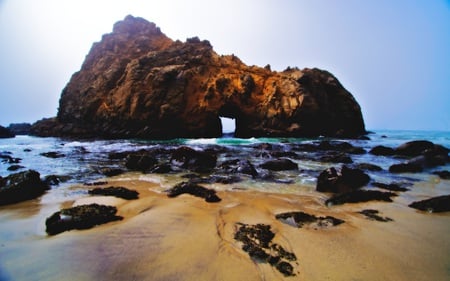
(228, 126)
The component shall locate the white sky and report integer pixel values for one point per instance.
(393, 56)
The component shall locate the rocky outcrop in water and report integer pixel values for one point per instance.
(20, 187)
(136, 82)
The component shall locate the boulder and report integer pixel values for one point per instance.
(414, 148)
(194, 160)
(80, 217)
(357, 196)
(137, 82)
(21, 186)
(381, 150)
(282, 164)
(405, 168)
(140, 161)
(332, 180)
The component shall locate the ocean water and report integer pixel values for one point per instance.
(84, 159)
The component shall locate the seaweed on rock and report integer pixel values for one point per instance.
(257, 242)
(80, 217)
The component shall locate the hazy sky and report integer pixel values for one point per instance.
(393, 56)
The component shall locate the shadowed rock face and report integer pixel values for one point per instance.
(136, 82)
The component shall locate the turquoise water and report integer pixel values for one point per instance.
(85, 158)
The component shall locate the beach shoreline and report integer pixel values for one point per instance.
(186, 238)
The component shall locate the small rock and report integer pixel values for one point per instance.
(110, 172)
(368, 167)
(53, 154)
(55, 180)
(15, 167)
(373, 215)
(95, 183)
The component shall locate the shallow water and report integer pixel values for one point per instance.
(185, 238)
(84, 159)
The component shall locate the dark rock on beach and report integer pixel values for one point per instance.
(20, 187)
(80, 217)
(194, 160)
(368, 167)
(53, 154)
(194, 189)
(111, 172)
(300, 219)
(332, 180)
(117, 191)
(239, 166)
(282, 164)
(257, 242)
(55, 179)
(433, 205)
(357, 196)
(374, 215)
(390, 186)
(405, 168)
(140, 161)
(443, 174)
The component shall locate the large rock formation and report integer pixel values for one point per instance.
(136, 82)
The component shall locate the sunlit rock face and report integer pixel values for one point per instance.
(136, 82)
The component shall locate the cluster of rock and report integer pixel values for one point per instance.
(137, 82)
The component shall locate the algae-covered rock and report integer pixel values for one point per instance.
(80, 217)
(194, 189)
(257, 242)
(117, 191)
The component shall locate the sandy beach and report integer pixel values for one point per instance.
(186, 238)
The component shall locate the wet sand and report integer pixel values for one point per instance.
(186, 238)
